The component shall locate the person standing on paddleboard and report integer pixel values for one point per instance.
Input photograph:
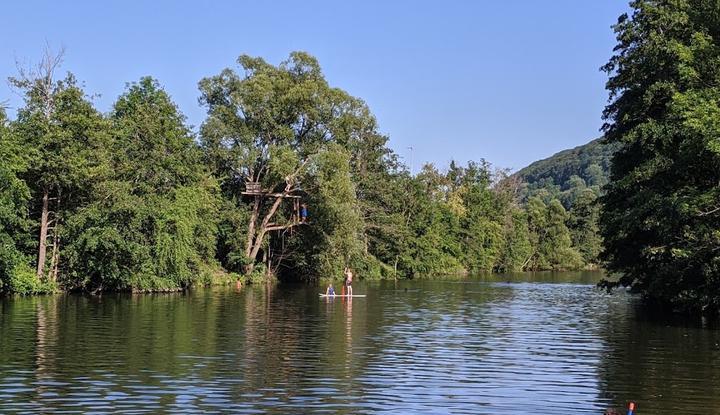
(348, 281)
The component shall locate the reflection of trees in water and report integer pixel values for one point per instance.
(298, 348)
(273, 338)
(116, 342)
(265, 343)
(17, 331)
(433, 334)
(569, 277)
(663, 363)
(46, 335)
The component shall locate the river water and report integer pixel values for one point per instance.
(518, 344)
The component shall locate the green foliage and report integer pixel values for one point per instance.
(576, 178)
(279, 125)
(63, 140)
(145, 207)
(22, 280)
(66, 142)
(337, 226)
(584, 227)
(266, 127)
(14, 222)
(517, 250)
(556, 245)
(152, 225)
(661, 220)
(558, 173)
(550, 237)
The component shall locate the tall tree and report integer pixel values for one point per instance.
(335, 239)
(67, 139)
(550, 237)
(517, 250)
(151, 224)
(15, 274)
(661, 220)
(556, 247)
(584, 227)
(263, 132)
(481, 221)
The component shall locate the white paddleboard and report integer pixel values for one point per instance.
(338, 295)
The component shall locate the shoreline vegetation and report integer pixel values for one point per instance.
(290, 178)
(133, 200)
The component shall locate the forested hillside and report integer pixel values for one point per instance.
(575, 178)
(588, 165)
(579, 161)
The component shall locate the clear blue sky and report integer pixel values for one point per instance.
(508, 81)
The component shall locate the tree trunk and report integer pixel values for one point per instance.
(251, 234)
(263, 229)
(255, 241)
(42, 248)
(55, 258)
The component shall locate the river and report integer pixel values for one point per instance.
(512, 344)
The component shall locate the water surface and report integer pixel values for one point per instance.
(521, 344)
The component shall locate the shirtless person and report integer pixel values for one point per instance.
(348, 281)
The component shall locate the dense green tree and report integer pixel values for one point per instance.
(335, 238)
(152, 222)
(537, 225)
(269, 128)
(591, 162)
(517, 251)
(556, 246)
(434, 224)
(595, 176)
(575, 187)
(387, 200)
(584, 227)
(15, 272)
(66, 139)
(661, 220)
(481, 220)
(550, 237)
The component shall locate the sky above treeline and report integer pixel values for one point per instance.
(511, 82)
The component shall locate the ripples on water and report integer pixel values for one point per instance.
(480, 347)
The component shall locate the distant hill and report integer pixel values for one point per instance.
(590, 162)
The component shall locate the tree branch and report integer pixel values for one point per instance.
(709, 212)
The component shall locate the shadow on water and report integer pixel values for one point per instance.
(516, 344)
(667, 363)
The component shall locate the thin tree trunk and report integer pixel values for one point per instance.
(55, 259)
(251, 234)
(263, 229)
(42, 248)
(266, 258)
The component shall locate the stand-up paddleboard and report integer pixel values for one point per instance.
(339, 295)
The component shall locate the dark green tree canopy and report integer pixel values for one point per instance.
(153, 146)
(661, 220)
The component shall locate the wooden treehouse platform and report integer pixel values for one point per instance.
(255, 189)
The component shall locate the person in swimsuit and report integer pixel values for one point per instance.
(348, 281)
(330, 291)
